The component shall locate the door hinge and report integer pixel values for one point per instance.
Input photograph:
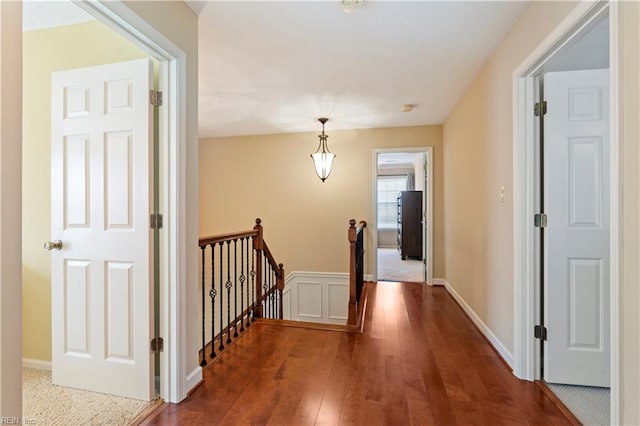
(540, 332)
(155, 98)
(540, 220)
(155, 220)
(157, 344)
(540, 108)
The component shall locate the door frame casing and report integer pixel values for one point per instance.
(427, 207)
(525, 260)
(172, 181)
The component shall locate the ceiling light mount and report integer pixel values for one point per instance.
(322, 158)
(349, 6)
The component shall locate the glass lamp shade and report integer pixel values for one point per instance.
(323, 162)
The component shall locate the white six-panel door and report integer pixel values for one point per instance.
(102, 277)
(576, 198)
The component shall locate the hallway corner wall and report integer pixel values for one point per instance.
(478, 161)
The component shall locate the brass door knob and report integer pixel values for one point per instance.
(53, 245)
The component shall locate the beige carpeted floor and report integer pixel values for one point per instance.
(391, 267)
(589, 404)
(46, 404)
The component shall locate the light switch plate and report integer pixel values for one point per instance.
(502, 194)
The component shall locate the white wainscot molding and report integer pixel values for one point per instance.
(321, 297)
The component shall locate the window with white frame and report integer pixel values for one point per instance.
(388, 189)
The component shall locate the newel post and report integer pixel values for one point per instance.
(351, 320)
(280, 287)
(258, 245)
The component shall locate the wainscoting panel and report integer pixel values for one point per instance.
(321, 297)
(309, 299)
(338, 293)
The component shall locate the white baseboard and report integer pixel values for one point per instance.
(439, 281)
(493, 339)
(36, 364)
(193, 379)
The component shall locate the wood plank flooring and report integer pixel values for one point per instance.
(420, 361)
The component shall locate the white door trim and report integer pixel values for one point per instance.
(172, 202)
(428, 151)
(525, 347)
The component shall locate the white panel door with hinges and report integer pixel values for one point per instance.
(576, 199)
(102, 287)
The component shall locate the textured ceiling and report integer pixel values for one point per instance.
(275, 67)
(38, 15)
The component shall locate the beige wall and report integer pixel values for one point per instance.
(305, 220)
(46, 51)
(10, 194)
(477, 158)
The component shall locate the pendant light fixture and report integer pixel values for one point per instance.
(322, 158)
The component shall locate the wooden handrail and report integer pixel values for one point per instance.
(356, 281)
(269, 256)
(226, 237)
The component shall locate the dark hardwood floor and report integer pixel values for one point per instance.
(420, 361)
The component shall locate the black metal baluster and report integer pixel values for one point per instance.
(242, 279)
(281, 290)
(265, 287)
(221, 347)
(272, 281)
(267, 300)
(271, 292)
(253, 278)
(204, 344)
(228, 286)
(212, 295)
(274, 301)
(235, 287)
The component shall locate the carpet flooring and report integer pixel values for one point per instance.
(44, 403)
(589, 404)
(391, 267)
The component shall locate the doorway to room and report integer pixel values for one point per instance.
(171, 59)
(402, 208)
(570, 188)
(61, 46)
(574, 198)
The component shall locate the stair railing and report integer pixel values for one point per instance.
(356, 268)
(241, 281)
